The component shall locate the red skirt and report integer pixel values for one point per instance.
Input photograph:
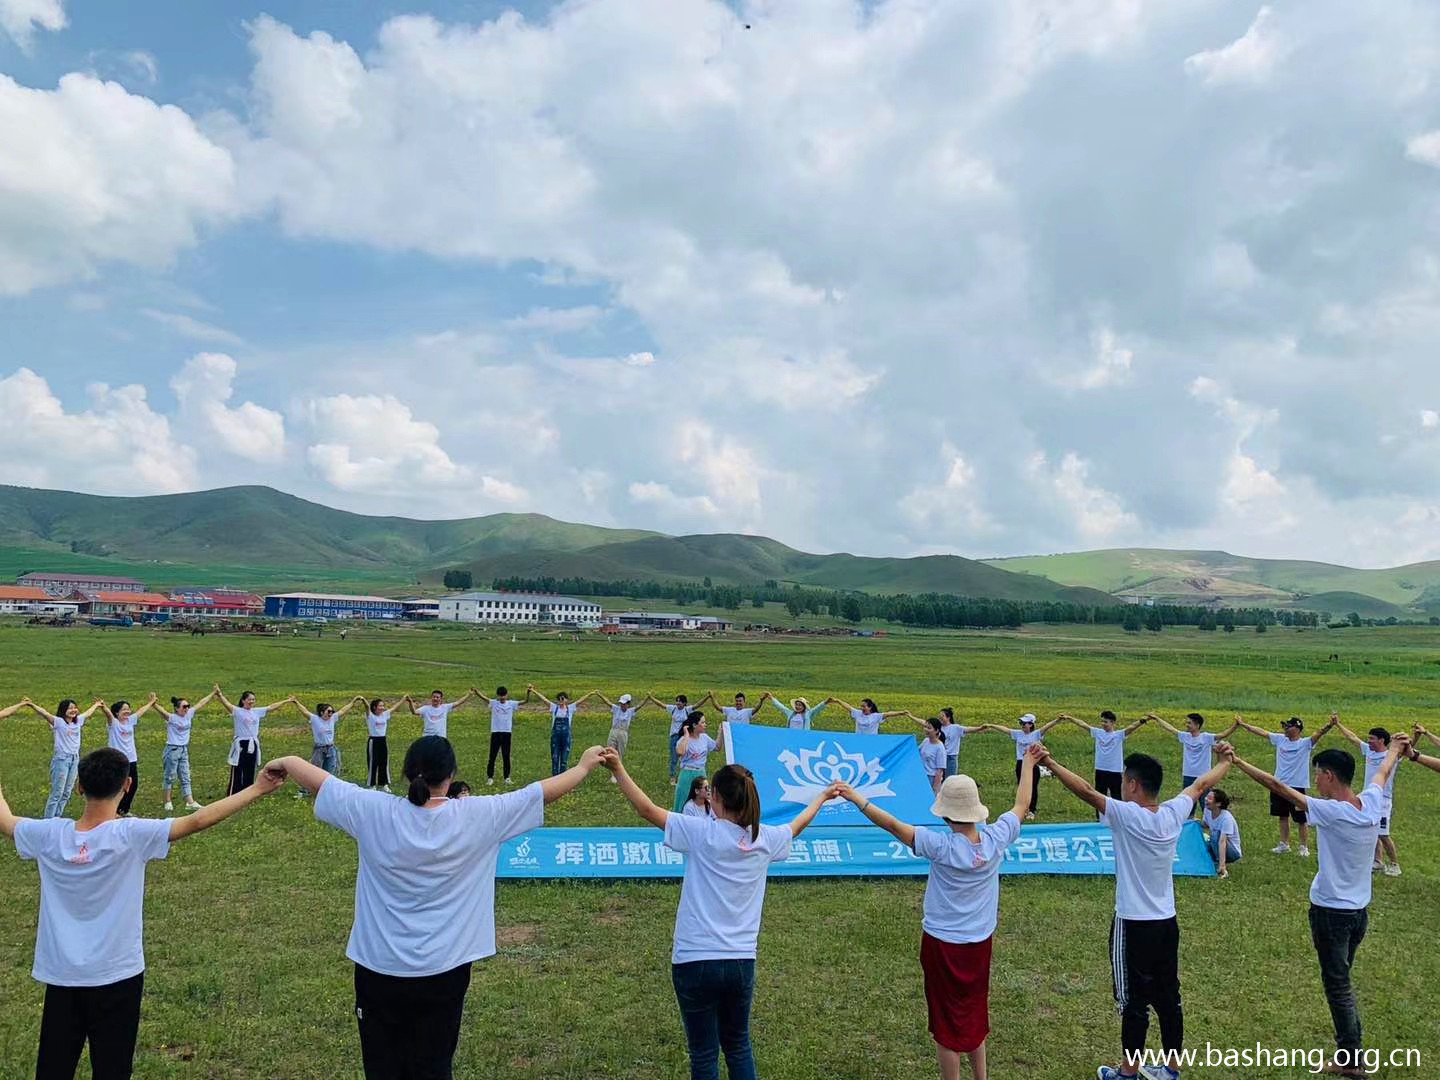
(957, 991)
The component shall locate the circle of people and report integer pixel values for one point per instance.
(414, 938)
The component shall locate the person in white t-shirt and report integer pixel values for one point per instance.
(1292, 765)
(120, 727)
(717, 925)
(695, 747)
(562, 720)
(697, 802)
(952, 733)
(179, 725)
(932, 753)
(1144, 935)
(679, 712)
(66, 723)
(424, 896)
(962, 901)
(1347, 827)
(1026, 736)
(1374, 748)
(377, 742)
(435, 714)
(868, 716)
(623, 711)
(1109, 750)
(502, 727)
(89, 951)
(245, 745)
(799, 716)
(742, 712)
(1224, 831)
(324, 752)
(1196, 745)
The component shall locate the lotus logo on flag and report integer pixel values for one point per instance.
(814, 770)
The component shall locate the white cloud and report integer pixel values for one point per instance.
(1110, 366)
(954, 505)
(118, 446)
(1249, 58)
(558, 320)
(640, 359)
(1096, 514)
(143, 64)
(250, 431)
(1429, 418)
(678, 507)
(21, 18)
(193, 328)
(1424, 148)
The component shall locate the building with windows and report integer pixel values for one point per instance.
(616, 622)
(32, 600)
(420, 609)
(304, 605)
(122, 603)
(231, 603)
(536, 609)
(64, 583)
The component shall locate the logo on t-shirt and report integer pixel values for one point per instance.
(83, 855)
(815, 770)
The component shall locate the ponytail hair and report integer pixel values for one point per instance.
(734, 786)
(692, 723)
(116, 706)
(429, 762)
(948, 713)
(175, 703)
(935, 725)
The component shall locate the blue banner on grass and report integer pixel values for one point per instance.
(792, 767)
(823, 851)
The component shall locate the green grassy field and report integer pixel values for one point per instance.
(246, 924)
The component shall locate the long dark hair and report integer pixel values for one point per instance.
(63, 708)
(429, 762)
(695, 788)
(116, 706)
(734, 786)
(175, 703)
(692, 723)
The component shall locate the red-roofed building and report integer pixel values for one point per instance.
(28, 599)
(123, 603)
(62, 582)
(233, 603)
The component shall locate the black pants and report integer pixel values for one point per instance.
(129, 796)
(1145, 966)
(1185, 782)
(377, 753)
(243, 774)
(409, 1028)
(1034, 788)
(499, 744)
(108, 1016)
(1108, 783)
(1337, 934)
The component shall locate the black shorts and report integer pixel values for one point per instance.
(1108, 783)
(1283, 808)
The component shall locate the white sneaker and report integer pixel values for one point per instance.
(1280, 849)
(1392, 869)
(614, 779)
(490, 782)
(191, 804)
(1305, 853)
(387, 790)
(169, 805)
(509, 781)
(1376, 865)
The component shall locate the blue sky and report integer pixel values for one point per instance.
(894, 278)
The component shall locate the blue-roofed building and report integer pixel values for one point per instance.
(302, 605)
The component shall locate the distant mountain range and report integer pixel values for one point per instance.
(266, 537)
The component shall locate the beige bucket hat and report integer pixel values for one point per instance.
(959, 800)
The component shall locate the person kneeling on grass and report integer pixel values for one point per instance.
(88, 949)
(718, 921)
(1347, 827)
(962, 899)
(1224, 832)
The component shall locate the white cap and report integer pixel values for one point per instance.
(1028, 718)
(624, 699)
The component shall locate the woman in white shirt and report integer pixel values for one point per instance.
(121, 731)
(1223, 829)
(718, 922)
(932, 753)
(176, 761)
(697, 802)
(694, 750)
(324, 752)
(962, 901)
(377, 743)
(562, 723)
(868, 716)
(65, 723)
(424, 896)
(245, 746)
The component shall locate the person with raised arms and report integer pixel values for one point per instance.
(1196, 746)
(324, 754)
(1373, 749)
(868, 716)
(1292, 766)
(562, 720)
(932, 753)
(179, 725)
(799, 716)
(695, 747)
(120, 727)
(245, 745)
(1144, 934)
(953, 733)
(1026, 736)
(1347, 826)
(962, 901)
(1224, 831)
(741, 712)
(679, 713)
(717, 924)
(377, 743)
(1425, 760)
(435, 717)
(66, 723)
(424, 896)
(502, 727)
(1109, 750)
(89, 946)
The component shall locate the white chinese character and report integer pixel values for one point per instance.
(1107, 848)
(824, 850)
(667, 856)
(633, 852)
(1057, 849)
(607, 854)
(799, 851)
(1026, 849)
(1085, 849)
(568, 851)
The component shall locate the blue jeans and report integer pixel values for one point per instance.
(327, 757)
(952, 764)
(1232, 854)
(64, 770)
(559, 751)
(1337, 934)
(674, 757)
(177, 762)
(714, 997)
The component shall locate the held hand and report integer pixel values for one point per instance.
(610, 759)
(833, 792)
(845, 791)
(1226, 751)
(1036, 753)
(591, 757)
(154, 696)
(1151, 716)
(1403, 741)
(271, 778)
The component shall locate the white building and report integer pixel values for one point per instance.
(627, 621)
(542, 609)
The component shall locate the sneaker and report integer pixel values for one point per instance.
(509, 781)
(1159, 1072)
(1109, 1072)
(490, 782)
(1376, 865)
(1392, 869)
(1280, 849)
(387, 790)
(191, 804)
(1030, 816)
(1305, 852)
(169, 806)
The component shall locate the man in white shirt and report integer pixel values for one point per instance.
(1144, 936)
(1292, 766)
(742, 711)
(1373, 748)
(1109, 751)
(1347, 826)
(502, 727)
(1196, 745)
(435, 717)
(89, 946)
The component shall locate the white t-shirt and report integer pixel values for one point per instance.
(425, 889)
(1224, 824)
(247, 722)
(1023, 740)
(737, 716)
(177, 728)
(502, 714)
(724, 887)
(436, 718)
(322, 730)
(122, 736)
(694, 809)
(377, 724)
(1346, 842)
(932, 756)
(1145, 844)
(962, 895)
(1373, 760)
(1197, 752)
(697, 753)
(620, 718)
(952, 734)
(92, 896)
(67, 736)
(678, 715)
(866, 723)
(1109, 749)
(1292, 760)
